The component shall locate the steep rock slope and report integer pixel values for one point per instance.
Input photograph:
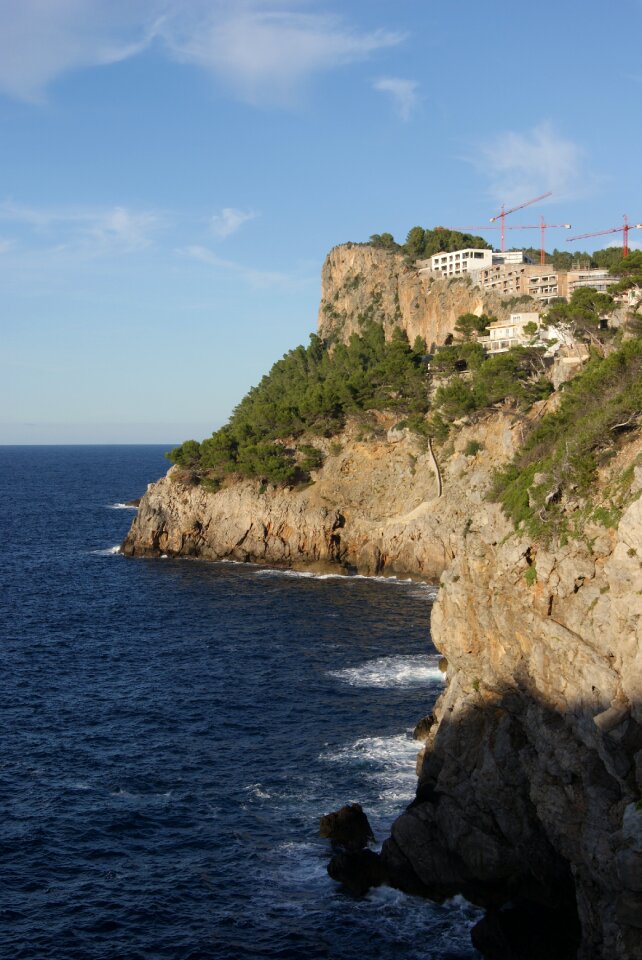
(373, 507)
(358, 280)
(531, 777)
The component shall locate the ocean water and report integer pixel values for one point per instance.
(172, 731)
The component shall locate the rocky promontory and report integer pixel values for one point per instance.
(530, 779)
(529, 798)
(361, 281)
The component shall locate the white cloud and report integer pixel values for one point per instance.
(93, 232)
(523, 165)
(262, 50)
(229, 220)
(256, 278)
(403, 93)
(42, 39)
(123, 229)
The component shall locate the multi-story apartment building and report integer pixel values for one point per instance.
(457, 262)
(513, 274)
(596, 278)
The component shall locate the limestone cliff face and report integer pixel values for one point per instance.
(531, 777)
(373, 508)
(530, 780)
(359, 281)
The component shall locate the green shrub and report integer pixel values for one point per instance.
(472, 447)
(312, 457)
(565, 449)
(311, 390)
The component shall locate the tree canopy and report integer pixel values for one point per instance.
(422, 243)
(311, 390)
(585, 313)
(469, 323)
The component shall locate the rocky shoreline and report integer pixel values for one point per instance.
(531, 773)
(529, 798)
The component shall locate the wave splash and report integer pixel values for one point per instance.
(396, 671)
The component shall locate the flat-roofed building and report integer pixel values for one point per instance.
(510, 256)
(595, 278)
(513, 274)
(542, 283)
(504, 334)
(457, 262)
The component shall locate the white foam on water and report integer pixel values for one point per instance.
(445, 926)
(388, 762)
(258, 791)
(299, 574)
(426, 589)
(108, 551)
(395, 671)
(121, 506)
(303, 863)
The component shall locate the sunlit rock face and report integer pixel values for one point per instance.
(360, 281)
(531, 777)
(530, 781)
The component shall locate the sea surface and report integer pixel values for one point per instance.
(171, 731)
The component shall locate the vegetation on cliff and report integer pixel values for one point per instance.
(311, 390)
(549, 487)
(422, 243)
(518, 374)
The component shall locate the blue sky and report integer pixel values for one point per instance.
(173, 173)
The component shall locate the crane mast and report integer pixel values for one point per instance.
(501, 216)
(542, 226)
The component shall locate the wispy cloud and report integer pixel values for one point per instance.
(92, 232)
(42, 39)
(521, 165)
(255, 278)
(229, 220)
(403, 93)
(262, 50)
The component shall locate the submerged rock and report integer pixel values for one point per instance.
(357, 870)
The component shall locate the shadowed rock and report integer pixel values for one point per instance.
(347, 828)
(357, 870)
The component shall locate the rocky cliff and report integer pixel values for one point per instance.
(531, 777)
(373, 507)
(529, 797)
(359, 281)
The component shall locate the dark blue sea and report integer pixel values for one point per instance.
(172, 730)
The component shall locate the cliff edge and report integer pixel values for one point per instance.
(529, 798)
(530, 780)
(359, 281)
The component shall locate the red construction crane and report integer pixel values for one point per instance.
(542, 226)
(504, 213)
(624, 230)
